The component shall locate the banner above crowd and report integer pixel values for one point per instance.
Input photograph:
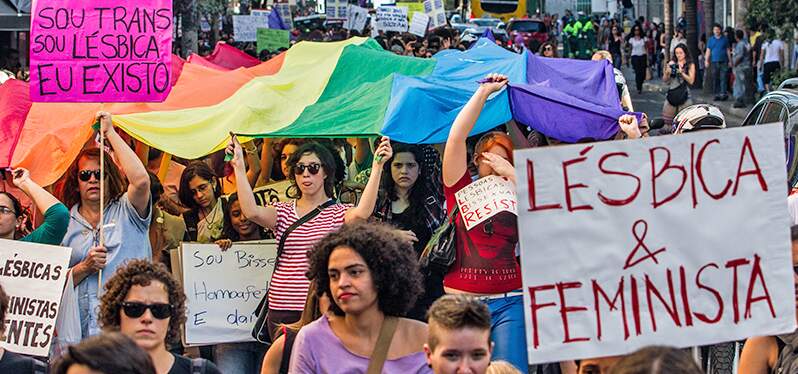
(672, 249)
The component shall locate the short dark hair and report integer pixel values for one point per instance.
(117, 185)
(656, 360)
(109, 353)
(454, 312)
(327, 163)
(141, 273)
(739, 34)
(391, 261)
(714, 25)
(197, 169)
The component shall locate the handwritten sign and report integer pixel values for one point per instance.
(391, 18)
(224, 288)
(284, 10)
(485, 198)
(245, 28)
(101, 51)
(33, 276)
(418, 25)
(336, 9)
(412, 8)
(356, 18)
(272, 193)
(679, 240)
(273, 39)
(436, 12)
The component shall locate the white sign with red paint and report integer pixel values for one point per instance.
(675, 240)
(484, 198)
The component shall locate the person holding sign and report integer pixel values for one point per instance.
(125, 218)
(11, 362)
(304, 221)
(56, 215)
(485, 265)
(372, 278)
(145, 302)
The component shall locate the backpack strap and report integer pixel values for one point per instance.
(39, 367)
(198, 365)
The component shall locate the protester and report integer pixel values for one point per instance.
(145, 302)
(411, 202)
(656, 360)
(548, 49)
(278, 357)
(741, 61)
(166, 230)
(201, 192)
(771, 58)
(719, 55)
(774, 354)
(638, 43)
(679, 75)
(12, 216)
(109, 353)
(495, 239)
(125, 224)
(459, 336)
(620, 80)
(11, 362)
(373, 280)
(312, 173)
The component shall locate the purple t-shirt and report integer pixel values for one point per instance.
(318, 350)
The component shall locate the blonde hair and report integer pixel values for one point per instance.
(603, 55)
(501, 367)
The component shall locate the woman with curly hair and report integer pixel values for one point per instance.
(144, 301)
(372, 279)
(312, 171)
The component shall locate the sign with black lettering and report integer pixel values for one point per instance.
(674, 240)
(223, 288)
(101, 51)
(33, 276)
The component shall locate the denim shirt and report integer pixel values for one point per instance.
(126, 237)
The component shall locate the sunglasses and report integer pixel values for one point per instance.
(136, 310)
(313, 168)
(85, 175)
(548, 49)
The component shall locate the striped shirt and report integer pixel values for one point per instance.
(289, 285)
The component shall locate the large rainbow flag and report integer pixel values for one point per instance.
(342, 89)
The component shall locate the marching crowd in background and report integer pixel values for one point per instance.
(349, 292)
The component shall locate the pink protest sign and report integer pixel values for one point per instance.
(101, 51)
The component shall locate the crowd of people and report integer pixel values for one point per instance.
(353, 218)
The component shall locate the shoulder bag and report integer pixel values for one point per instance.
(438, 255)
(261, 329)
(383, 344)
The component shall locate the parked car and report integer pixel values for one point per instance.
(533, 31)
(458, 23)
(781, 106)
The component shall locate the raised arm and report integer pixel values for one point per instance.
(40, 197)
(254, 163)
(455, 155)
(368, 200)
(265, 216)
(138, 190)
(266, 163)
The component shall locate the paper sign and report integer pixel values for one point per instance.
(284, 9)
(272, 39)
(484, 198)
(356, 18)
(336, 9)
(245, 28)
(418, 25)
(412, 8)
(391, 18)
(674, 240)
(101, 51)
(33, 276)
(205, 26)
(223, 289)
(272, 193)
(259, 12)
(436, 12)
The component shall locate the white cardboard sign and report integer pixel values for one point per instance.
(336, 9)
(33, 276)
(674, 240)
(418, 25)
(223, 289)
(484, 198)
(245, 28)
(391, 18)
(356, 18)
(436, 12)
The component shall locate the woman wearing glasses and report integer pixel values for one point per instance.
(548, 49)
(126, 218)
(143, 301)
(201, 192)
(312, 170)
(56, 215)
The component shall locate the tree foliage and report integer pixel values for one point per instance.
(778, 14)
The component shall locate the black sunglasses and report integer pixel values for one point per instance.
(85, 175)
(136, 310)
(313, 168)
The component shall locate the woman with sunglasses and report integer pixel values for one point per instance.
(56, 215)
(495, 239)
(312, 174)
(144, 301)
(126, 218)
(548, 49)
